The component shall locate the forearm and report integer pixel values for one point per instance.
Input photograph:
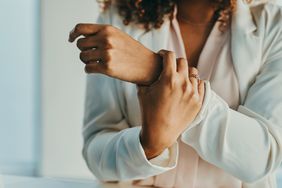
(240, 142)
(118, 156)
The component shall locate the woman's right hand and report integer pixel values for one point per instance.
(169, 105)
(108, 50)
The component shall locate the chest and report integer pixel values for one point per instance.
(194, 39)
(244, 48)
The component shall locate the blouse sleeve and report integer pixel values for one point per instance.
(112, 148)
(247, 143)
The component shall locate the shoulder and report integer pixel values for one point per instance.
(268, 18)
(267, 14)
(110, 16)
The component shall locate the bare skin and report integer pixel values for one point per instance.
(199, 13)
(168, 105)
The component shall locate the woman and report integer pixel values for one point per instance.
(180, 131)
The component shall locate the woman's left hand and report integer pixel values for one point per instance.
(169, 105)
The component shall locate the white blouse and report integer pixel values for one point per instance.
(236, 140)
(215, 65)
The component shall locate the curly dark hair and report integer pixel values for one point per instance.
(152, 13)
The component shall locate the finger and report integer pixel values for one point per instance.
(182, 67)
(169, 62)
(88, 43)
(94, 67)
(201, 89)
(84, 30)
(193, 72)
(92, 55)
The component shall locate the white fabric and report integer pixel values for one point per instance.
(215, 65)
(245, 143)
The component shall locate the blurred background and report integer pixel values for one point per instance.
(42, 85)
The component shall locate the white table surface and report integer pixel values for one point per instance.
(29, 182)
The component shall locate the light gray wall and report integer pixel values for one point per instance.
(19, 86)
(63, 87)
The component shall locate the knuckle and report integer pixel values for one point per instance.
(106, 40)
(87, 69)
(108, 55)
(108, 29)
(80, 43)
(107, 43)
(77, 27)
(108, 67)
(82, 56)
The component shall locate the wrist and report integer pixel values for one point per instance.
(151, 146)
(153, 68)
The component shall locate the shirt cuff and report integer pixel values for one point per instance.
(167, 158)
(152, 167)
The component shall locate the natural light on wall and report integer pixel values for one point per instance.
(42, 88)
(19, 85)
